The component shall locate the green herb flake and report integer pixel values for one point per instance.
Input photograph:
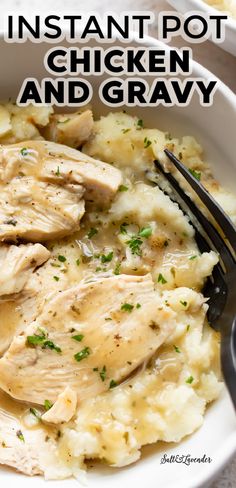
(58, 171)
(35, 413)
(103, 373)
(147, 143)
(188, 327)
(92, 232)
(56, 278)
(106, 258)
(161, 279)
(117, 269)
(24, 151)
(139, 124)
(82, 354)
(138, 305)
(176, 349)
(113, 384)
(78, 337)
(184, 303)
(125, 131)
(20, 435)
(50, 345)
(61, 258)
(123, 229)
(135, 244)
(123, 188)
(189, 380)
(145, 232)
(127, 307)
(78, 262)
(192, 258)
(47, 405)
(196, 174)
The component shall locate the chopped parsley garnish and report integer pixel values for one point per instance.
(56, 278)
(138, 305)
(106, 258)
(78, 337)
(145, 232)
(188, 327)
(92, 232)
(78, 262)
(58, 171)
(24, 151)
(196, 174)
(123, 229)
(103, 373)
(123, 188)
(193, 257)
(117, 269)
(139, 124)
(135, 244)
(161, 279)
(82, 354)
(20, 435)
(51, 345)
(35, 413)
(190, 380)
(61, 258)
(112, 384)
(41, 339)
(125, 131)
(147, 143)
(176, 348)
(127, 307)
(47, 405)
(184, 303)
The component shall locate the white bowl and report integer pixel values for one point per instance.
(185, 6)
(214, 127)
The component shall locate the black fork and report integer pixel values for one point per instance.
(220, 287)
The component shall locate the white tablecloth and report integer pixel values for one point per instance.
(211, 56)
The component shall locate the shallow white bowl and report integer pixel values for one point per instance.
(185, 6)
(214, 128)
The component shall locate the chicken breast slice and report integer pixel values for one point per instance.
(71, 344)
(63, 409)
(70, 129)
(26, 444)
(17, 263)
(43, 186)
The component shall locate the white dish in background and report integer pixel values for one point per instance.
(185, 6)
(214, 127)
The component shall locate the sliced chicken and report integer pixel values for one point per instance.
(26, 444)
(43, 186)
(70, 344)
(70, 129)
(64, 408)
(17, 263)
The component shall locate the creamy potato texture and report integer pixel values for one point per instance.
(142, 231)
(227, 6)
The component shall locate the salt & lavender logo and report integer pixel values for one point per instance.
(186, 459)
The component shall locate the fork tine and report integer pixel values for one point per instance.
(199, 220)
(214, 208)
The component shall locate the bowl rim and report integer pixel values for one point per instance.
(221, 459)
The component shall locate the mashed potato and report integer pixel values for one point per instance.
(227, 6)
(165, 400)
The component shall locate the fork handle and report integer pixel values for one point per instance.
(228, 359)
